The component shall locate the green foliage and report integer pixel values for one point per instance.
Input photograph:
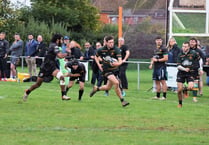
(149, 28)
(8, 18)
(194, 23)
(40, 28)
(76, 15)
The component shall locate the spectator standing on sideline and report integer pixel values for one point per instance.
(122, 73)
(66, 41)
(109, 68)
(96, 72)
(4, 50)
(30, 52)
(88, 52)
(202, 48)
(173, 51)
(41, 50)
(16, 51)
(186, 65)
(74, 50)
(199, 70)
(49, 69)
(206, 69)
(159, 72)
(76, 70)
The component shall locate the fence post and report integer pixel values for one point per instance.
(138, 70)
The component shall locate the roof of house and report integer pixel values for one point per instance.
(109, 6)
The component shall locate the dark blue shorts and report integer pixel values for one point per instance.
(159, 73)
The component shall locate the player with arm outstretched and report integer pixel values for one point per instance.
(48, 68)
(76, 70)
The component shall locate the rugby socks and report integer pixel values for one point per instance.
(67, 89)
(63, 93)
(122, 99)
(27, 92)
(158, 94)
(164, 94)
(180, 102)
(98, 89)
(80, 94)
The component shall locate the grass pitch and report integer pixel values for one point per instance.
(47, 120)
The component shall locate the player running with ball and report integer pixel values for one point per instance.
(186, 69)
(110, 58)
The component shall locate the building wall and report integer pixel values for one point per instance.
(192, 2)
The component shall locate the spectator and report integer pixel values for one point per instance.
(66, 41)
(201, 64)
(30, 51)
(206, 69)
(159, 72)
(41, 50)
(96, 72)
(122, 73)
(4, 50)
(173, 51)
(109, 68)
(74, 50)
(76, 70)
(88, 52)
(16, 51)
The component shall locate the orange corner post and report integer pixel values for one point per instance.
(120, 23)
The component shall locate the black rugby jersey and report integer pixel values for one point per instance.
(105, 53)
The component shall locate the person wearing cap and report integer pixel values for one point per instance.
(66, 41)
(76, 70)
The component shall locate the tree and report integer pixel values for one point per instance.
(77, 15)
(8, 18)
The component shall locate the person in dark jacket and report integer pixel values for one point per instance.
(173, 50)
(4, 49)
(41, 50)
(199, 71)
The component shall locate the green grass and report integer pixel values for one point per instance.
(100, 120)
(194, 23)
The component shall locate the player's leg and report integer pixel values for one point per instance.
(33, 87)
(115, 82)
(58, 74)
(164, 89)
(81, 89)
(71, 83)
(180, 89)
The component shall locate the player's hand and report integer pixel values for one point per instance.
(150, 66)
(187, 69)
